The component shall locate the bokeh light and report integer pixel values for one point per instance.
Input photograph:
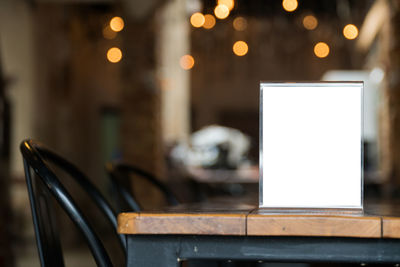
(108, 33)
(240, 48)
(114, 55)
(240, 24)
(321, 50)
(376, 75)
(230, 4)
(310, 22)
(350, 31)
(290, 5)
(117, 24)
(209, 21)
(197, 20)
(221, 11)
(186, 62)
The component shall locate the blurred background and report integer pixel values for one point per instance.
(173, 87)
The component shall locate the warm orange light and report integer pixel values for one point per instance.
(240, 48)
(230, 4)
(221, 11)
(108, 33)
(117, 24)
(197, 20)
(209, 21)
(186, 62)
(240, 24)
(310, 22)
(321, 50)
(290, 5)
(114, 55)
(350, 31)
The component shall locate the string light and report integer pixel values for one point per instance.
(240, 24)
(114, 55)
(230, 4)
(197, 20)
(310, 22)
(240, 48)
(117, 24)
(350, 31)
(290, 5)
(186, 62)
(221, 11)
(209, 21)
(108, 33)
(321, 50)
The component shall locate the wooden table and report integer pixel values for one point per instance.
(223, 230)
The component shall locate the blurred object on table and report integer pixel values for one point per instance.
(214, 147)
(244, 174)
(216, 160)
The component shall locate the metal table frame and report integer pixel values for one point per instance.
(171, 250)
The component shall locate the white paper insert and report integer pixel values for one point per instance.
(311, 145)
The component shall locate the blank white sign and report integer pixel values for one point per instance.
(311, 145)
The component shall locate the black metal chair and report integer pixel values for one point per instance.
(43, 184)
(120, 174)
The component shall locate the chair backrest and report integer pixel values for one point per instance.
(120, 174)
(43, 184)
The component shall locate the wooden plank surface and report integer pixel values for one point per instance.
(227, 217)
(389, 211)
(222, 216)
(313, 225)
(391, 227)
(182, 223)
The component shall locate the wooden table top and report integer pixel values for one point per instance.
(225, 217)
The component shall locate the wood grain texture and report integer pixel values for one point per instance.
(240, 217)
(182, 223)
(313, 225)
(391, 227)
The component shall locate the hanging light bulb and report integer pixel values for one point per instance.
(114, 55)
(240, 48)
(350, 31)
(321, 50)
(221, 11)
(117, 24)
